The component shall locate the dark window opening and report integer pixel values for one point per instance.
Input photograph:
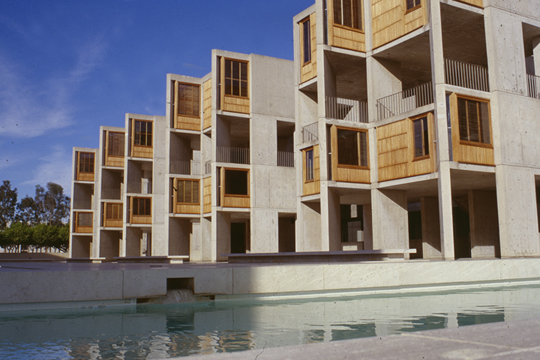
(411, 4)
(116, 144)
(188, 100)
(86, 162)
(473, 117)
(187, 191)
(114, 211)
(352, 147)
(309, 165)
(348, 13)
(142, 206)
(236, 182)
(421, 137)
(143, 133)
(236, 78)
(306, 41)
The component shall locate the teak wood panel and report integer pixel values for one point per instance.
(141, 150)
(83, 229)
(343, 36)
(110, 160)
(347, 173)
(84, 176)
(141, 219)
(207, 104)
(235, 104)
(466, 151)
(390, 20)
(309, 70)
(185, 122)
(395, 150)
(477, 3)
(112, 223)
(184, 208)
(207, 195)
(313, 186)
(238, 201)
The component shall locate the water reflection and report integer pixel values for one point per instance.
(159, 331)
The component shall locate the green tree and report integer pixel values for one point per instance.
(52, 205)
(19, 235)
(27, 211)
(8, 204)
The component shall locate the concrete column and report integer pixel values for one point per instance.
(431, 233)
(309, 215)
(368, 227)
(536, 56)
(390, 219)
(442, 128)
(264, 231)
(223, 235)
(484, 224)
(160, 190)
(517, 210)
(332, 221)
(195, 240)
(206, 240)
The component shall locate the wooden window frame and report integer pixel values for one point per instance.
(469, 142)
(86, 163)
(109, 147)
(359, 150)
(425, 132)
(192, 181)
(359, 11)
(307, 169)
(225, 183)
(232, 79)
(147, 135)
(137, 198)
(303, 42)
(109, 211)
(79, 213)
(417, 6)
(180, 100)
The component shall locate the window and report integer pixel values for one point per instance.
(352, 147)
(114, 211)
(421, 137)
(84, 219)
(411, 4)
(309, 165)
(188, 100)
(142, 206)
(473, 117)
(86, 162)
(236, 182)
(348, 13)
(116, 144)
(306, 41)
(187, 191)
(236, 78)
(143, 133)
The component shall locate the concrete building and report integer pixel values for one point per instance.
(401, 124)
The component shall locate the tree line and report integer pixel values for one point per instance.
(38, 222)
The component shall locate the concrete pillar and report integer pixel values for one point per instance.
(390, 219)
(484, 224)
(517, 210)
(264, 231)
(536, 56)
(431, 233)
(368, 228)
(223, 235)
(332, 221)
(195, 240)
(309, 227)
(442, 130)
(207, 245)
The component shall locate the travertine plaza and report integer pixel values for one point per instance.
(401, 124)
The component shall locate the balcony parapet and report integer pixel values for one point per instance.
(405, 101)
(346, 109)
(310, 132)
(233, 155)
(466, 75)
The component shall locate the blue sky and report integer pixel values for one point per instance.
(69, 66)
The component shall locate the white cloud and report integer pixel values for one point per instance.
(29, 109)
(54, 167)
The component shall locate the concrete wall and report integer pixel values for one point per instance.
(431, 235)
(484, 224)
(179, 236)
(390, 219)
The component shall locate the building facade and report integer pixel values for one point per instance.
(401, 124)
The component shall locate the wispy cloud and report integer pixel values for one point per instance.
(28, 109)
(55, 167)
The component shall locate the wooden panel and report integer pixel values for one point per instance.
(83, 229)
(113, 223)
(390, 20)
(207, 195)
(117, 161)
(143, 151)
(309, 70)
(187, 123)
(348, 39)
(343, 172)
(85, 176)
(187, 209)
(313, 186)
(465, 151)
(236, 201)
(207, 104)
(477, 3)
(235, 104)
(141, 219)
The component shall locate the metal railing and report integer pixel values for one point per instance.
(285, 158)
(233, 155)
(466, 75)
(310, 132)
(208, 167)
(185, 167)
(533, 86)
(346, 109)
(405, 101)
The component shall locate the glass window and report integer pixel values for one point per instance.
(421, 137)
(306, 41)
(473, 117)
(309, 165)
(114, 211)
(86, 162)
(236, 182)
(188, 100)
(348, 13)
(411, 4)
(352, 147)
(116, 144)
(142, 206)
(187, 191)
(143, 133)
(84, 219)
(236, 78)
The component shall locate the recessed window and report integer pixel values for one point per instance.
(236, 78)
(236, 182)
(86, 162)
(421, 137)
(142, 206)
(187, 191)
(116, 144)
(84, 219)
(473, 117)
(309, 165)
(188, 100)
(348, 13)
(306, 41)
(114, 212)
(143, 133)
(411, 4)
(352, 147)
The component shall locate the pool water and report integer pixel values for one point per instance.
(162, 331)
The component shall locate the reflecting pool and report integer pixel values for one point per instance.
(160, 331)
